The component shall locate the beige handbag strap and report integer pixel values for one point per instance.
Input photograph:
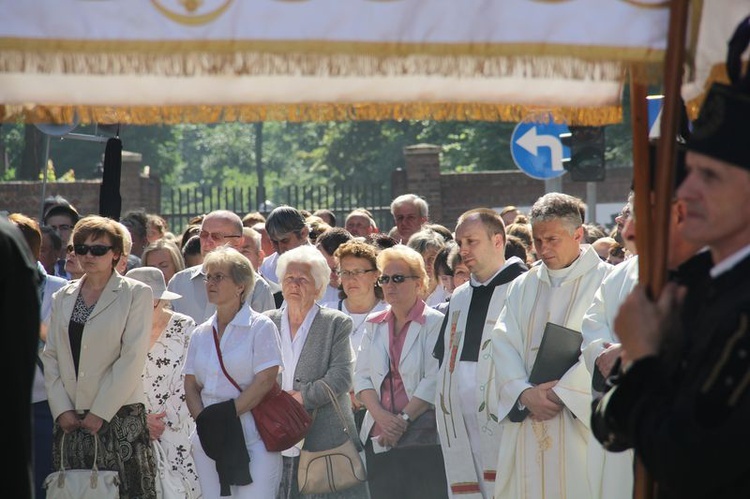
(95, 467)
(335, 403)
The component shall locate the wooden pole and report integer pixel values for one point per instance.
(666, 150)
(641, 175)
(657, 227)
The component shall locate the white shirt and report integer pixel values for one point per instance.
(729, 262)
(249, 345)
(268, 268)
(358, 321)
(51, 285)
(437, 296)
(331, 295)
(290, 352)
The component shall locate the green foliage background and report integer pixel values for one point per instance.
(292, 153)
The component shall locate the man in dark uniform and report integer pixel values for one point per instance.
(683, 397)
(19, 303)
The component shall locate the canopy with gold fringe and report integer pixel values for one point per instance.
(172, 61)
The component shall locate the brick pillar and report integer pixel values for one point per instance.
(130, 182)
(151, 192)
(423, 177)
(398, 182)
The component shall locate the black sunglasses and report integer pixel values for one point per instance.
(397, 278)
(95, 249)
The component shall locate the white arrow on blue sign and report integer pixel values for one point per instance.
(537, 149)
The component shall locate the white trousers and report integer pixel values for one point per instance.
(265, 470)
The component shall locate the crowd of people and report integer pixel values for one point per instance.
(435, 350)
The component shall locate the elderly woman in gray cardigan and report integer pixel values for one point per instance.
(316, 350)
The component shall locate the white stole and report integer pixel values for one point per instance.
(464, 453)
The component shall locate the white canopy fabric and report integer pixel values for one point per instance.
(170, 61)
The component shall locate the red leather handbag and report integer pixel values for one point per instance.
(281, 420)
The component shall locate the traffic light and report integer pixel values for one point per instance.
(586, 163)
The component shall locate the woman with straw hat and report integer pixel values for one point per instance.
(168, 418)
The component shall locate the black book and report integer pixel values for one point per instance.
(558, 352)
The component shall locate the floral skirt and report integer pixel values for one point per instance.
(124, 446)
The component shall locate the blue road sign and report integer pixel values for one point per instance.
(655, 104)
(537, 149)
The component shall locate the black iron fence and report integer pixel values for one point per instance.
(179, 205)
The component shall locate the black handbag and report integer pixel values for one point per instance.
(422, 432)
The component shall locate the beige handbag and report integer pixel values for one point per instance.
(82, 484)
(331, 470)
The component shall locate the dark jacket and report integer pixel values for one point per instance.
(220, 432)
(686, 411)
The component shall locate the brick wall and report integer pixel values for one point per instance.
(138, 191)
(450, 194)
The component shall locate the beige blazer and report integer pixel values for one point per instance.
(113, 349)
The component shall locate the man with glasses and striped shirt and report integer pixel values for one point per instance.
(219, 228)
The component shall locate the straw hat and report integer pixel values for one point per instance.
(153, 277)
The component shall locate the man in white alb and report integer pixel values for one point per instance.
(466, 403)
(545, 427)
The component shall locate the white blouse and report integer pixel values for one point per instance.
(249, 345)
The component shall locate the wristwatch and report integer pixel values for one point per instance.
(405, 417)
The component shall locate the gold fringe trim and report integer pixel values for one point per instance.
(336, 66)
(171, 115)
(185, 48)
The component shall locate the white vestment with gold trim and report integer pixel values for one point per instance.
(544, 460)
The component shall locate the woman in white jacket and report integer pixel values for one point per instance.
(395, 377)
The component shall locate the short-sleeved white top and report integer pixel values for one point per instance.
(249, 345)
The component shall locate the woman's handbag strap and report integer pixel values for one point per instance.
(335, 403)
(221, 361)
(95, 467)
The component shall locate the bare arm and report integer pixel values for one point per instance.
(416, 407)
(193, 395)
(393, 426)
(254, 393)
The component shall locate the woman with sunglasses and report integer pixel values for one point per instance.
(96, 348)
(395, 377)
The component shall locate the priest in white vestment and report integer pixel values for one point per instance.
(544, 454)
(610, 473)
(466, 403)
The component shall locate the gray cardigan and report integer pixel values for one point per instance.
(326, 356)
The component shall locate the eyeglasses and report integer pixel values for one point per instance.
(397, 278)
(217, 237)
(58, 228)
(356, 274)
(70, 248)
(214, 278)
(95, 249)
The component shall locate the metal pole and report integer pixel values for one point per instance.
(591, 202)
(553, 185)
(44, 177)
